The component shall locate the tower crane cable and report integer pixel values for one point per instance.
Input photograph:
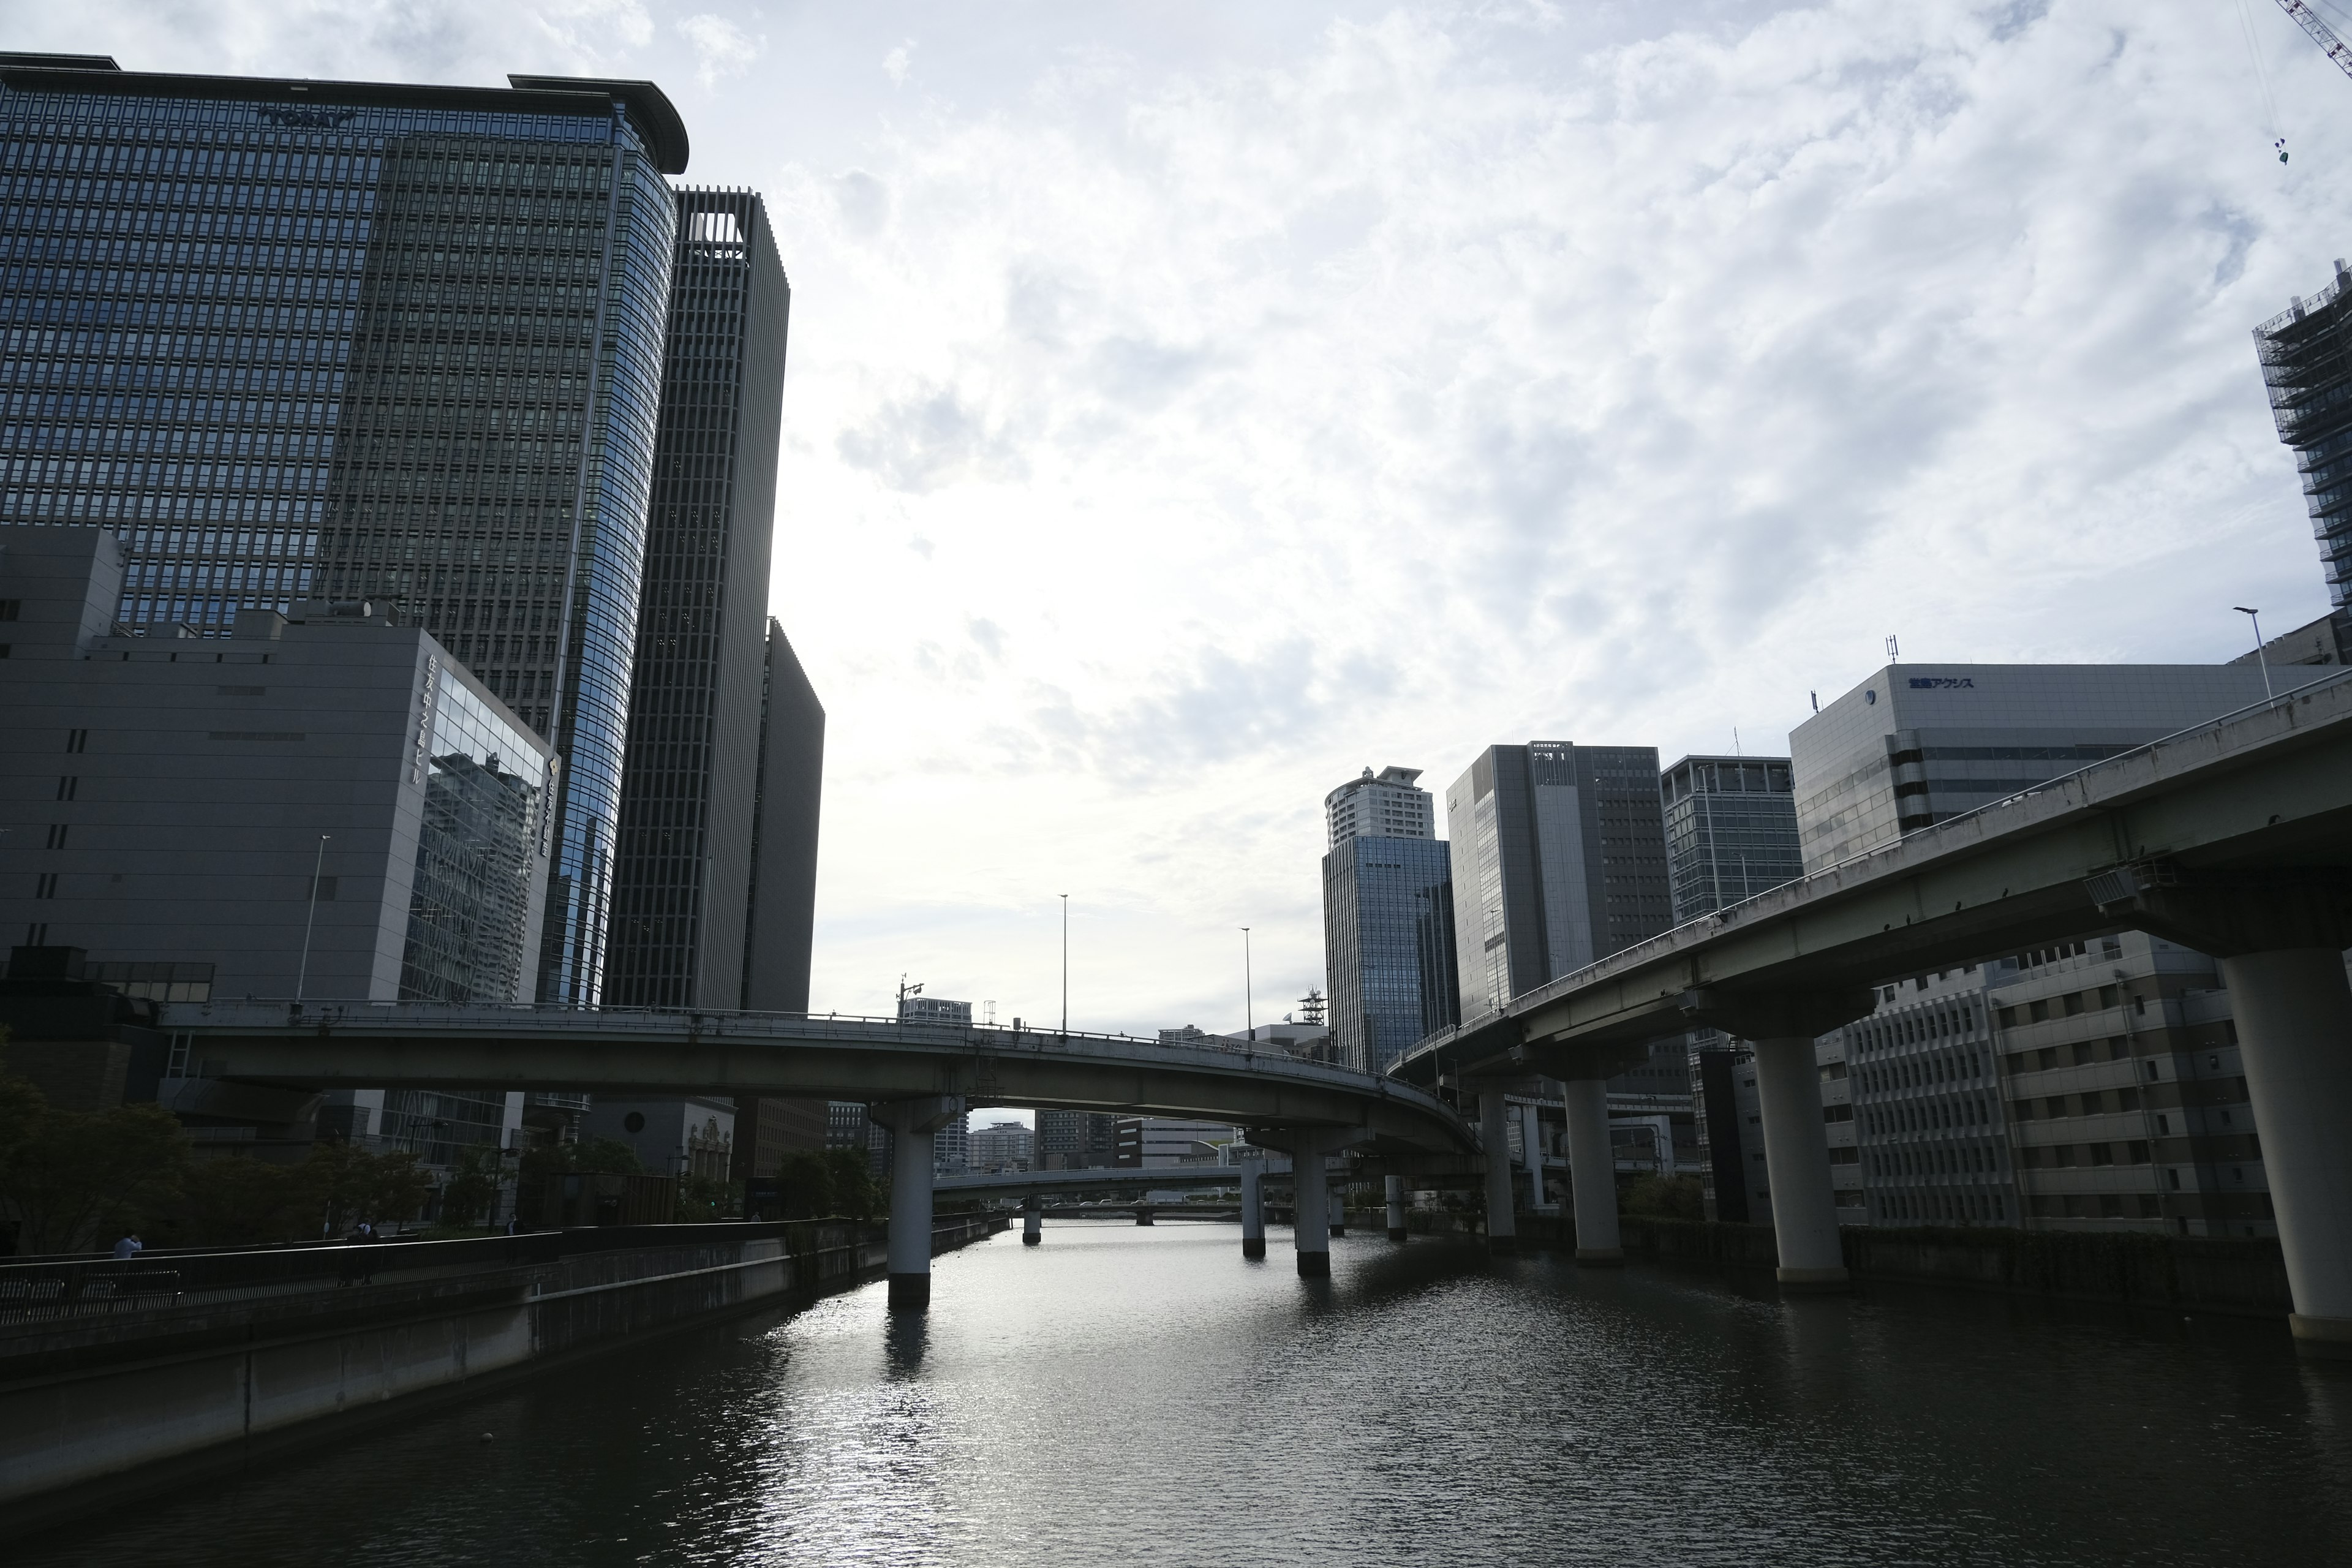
(2261, 78)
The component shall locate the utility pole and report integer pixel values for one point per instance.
(1249, 1018)
(303, 975)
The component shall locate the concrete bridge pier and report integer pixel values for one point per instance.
(1592, 1173)
(1493, 1136)
(1032, 1220)
(912, 1122)
(1310, 1224)
(1252, 1209)
(1396, 1208)
(1797, 1164)
(1142, 1213)
(1339, 1207)
(1531, 1140)
(2295, 1041)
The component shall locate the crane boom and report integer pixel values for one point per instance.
(2321, 33)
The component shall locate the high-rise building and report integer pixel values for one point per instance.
(1916, 744)
(356, 342)
(1000, 1146)
(1076, 1139)
(683, 871)
(777, 936)
(2036, 1088)
(1388, 920)
(1731, 831)
(1152, 1142)
(1390, 806)
(2306, 358)
(951, 1147)
(1559, 859)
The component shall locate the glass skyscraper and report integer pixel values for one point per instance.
(1388, 946)
(681, 903)
(357, 341)
(1731, 831)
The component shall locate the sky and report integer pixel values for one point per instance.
(1192, 404)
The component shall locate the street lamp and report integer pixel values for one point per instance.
(1065, 966)
(2256, 617)
(1249, 1003)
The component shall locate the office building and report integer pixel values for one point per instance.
(1000, 1146)
(1917, 744)
(325, 806)
(1076, 1139)
(1389, 806)
(683, 868)
(951, 1147)
(1148, 1142)
(779, 933)
(915, 1008)
(2305, 353)
(691, 1136)
(1388, 920)
(1955, 1122)
(1560, 858)
(355, 341)
(1728, 1128)
(1731, 831)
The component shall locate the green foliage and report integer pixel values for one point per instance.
(701, 1200)
(233, 1200)
(609, 1155)
(805, 1181)
(855, 1192)
(72, 1177)
(345, 1184)
(471, 1187)
(1670, 1197)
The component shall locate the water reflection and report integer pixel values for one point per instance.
(1122, 1393)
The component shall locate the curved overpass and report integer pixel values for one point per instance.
(643, 1053)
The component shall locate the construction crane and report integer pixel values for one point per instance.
(2321, 33)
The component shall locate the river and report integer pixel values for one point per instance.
(1123, 1395)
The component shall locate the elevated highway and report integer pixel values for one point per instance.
(2234, 838)
(914, 1076)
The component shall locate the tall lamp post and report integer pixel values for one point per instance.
(303, 975)
(1065, 966)
(2260, 657)
(1249, 1003)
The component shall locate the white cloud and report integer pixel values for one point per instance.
(721, 49)
(1189, 407)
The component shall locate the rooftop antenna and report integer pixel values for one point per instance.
(1817, 700)
(1894, 649)
(1734, 742)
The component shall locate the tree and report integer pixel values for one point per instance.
(701, 1199)
(1672, 1198)
(72, 1176)
(805, 1184)
(232, 1200)
(471, 1186)
(344, 1184)
(850, 1185)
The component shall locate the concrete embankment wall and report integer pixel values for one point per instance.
(2196, 1273)
(230, 1362)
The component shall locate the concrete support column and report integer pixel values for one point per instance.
(1592, 1172)
(1339, 1207)
(1310, 1225)
(1032, 1220)
(912, 1122)
(1493, 1136)
(1797, 1161)
(1142, 1213)
(1531, 1140)
(1252, 1209)
(2294, 1040)
(1396, 1208)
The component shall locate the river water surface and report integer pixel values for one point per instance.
(1122, 1394)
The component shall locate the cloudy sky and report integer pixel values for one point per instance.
(1193, 404)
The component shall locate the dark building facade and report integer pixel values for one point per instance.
(1388, 946)
(2306, 358)
(1559, 859)
(1076, 1140)
(683, 875)
(782, 922)
(1731, 831)
(355, 341)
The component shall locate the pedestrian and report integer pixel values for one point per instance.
(128, 1246)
